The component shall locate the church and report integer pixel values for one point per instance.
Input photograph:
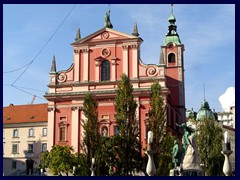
(99, 60)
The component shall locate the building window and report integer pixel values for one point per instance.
(171, 58)
(44, 147)
(30, 148)
(15, 133)
(62, 134)
(14, 164)
(14, 148)
(31, 132)
(63, 118)
(105, 70)
(105, 116)
(44, 132)
(116, 130)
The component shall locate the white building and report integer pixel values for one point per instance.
(24, 136)
(226, 118)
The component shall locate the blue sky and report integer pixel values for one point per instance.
(206, 30)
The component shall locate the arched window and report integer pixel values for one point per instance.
(171, 58)
(105, 70)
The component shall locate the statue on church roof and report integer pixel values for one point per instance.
(107, 22)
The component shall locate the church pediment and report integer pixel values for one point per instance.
(104, 34)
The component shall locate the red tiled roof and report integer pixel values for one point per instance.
(25, 113)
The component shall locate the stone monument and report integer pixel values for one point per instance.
(190, 156)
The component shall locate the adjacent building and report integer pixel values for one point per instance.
(226, 121)
(24, 136)
(227, 118)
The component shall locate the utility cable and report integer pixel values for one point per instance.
(29, 64)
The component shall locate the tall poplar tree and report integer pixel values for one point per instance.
(209, 138)
(92, 138)
(127, 145)
(162, 140)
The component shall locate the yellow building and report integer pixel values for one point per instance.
(24, 137)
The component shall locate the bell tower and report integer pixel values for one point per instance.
(172, 57)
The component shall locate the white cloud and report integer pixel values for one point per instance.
(228, 99)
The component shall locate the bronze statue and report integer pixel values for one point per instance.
(175, 154)
(107, 22)
(188, 131)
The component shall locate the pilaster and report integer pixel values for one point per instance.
(76, 65)
(125, 59)
(75, 127)
(114, 74)
(51, 124)
(85, 63)
(134, 61)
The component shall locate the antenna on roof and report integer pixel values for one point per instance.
(33, 99)
(171, 8)
(204, 91)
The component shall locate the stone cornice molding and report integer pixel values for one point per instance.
(73, 108)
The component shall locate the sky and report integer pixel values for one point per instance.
(36, 32)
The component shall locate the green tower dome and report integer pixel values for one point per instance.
(205, 112)
(172, 35)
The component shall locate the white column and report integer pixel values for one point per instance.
(85, 64)
(97, 69)
(51, 120)
(113, 70)
(125, 59)
(76, 64)
(134, 61)
(83, 118)
(75, 128)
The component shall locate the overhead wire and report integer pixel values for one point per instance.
(44, 46)
(25, 88)
(31, 62)
(27, 92)
(17, 68)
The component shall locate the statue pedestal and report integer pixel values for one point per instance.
(174, 172)
(191, 163)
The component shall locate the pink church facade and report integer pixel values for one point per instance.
(99, 60)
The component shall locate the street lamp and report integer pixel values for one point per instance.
(74, 171)
(227, 169)
(92, 167)
(150, 169)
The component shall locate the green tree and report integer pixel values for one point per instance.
(61, 159)
(162, 140)
(127, 147)
(92, 138)
(209, 138)
(81, 165)
(44, 163)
